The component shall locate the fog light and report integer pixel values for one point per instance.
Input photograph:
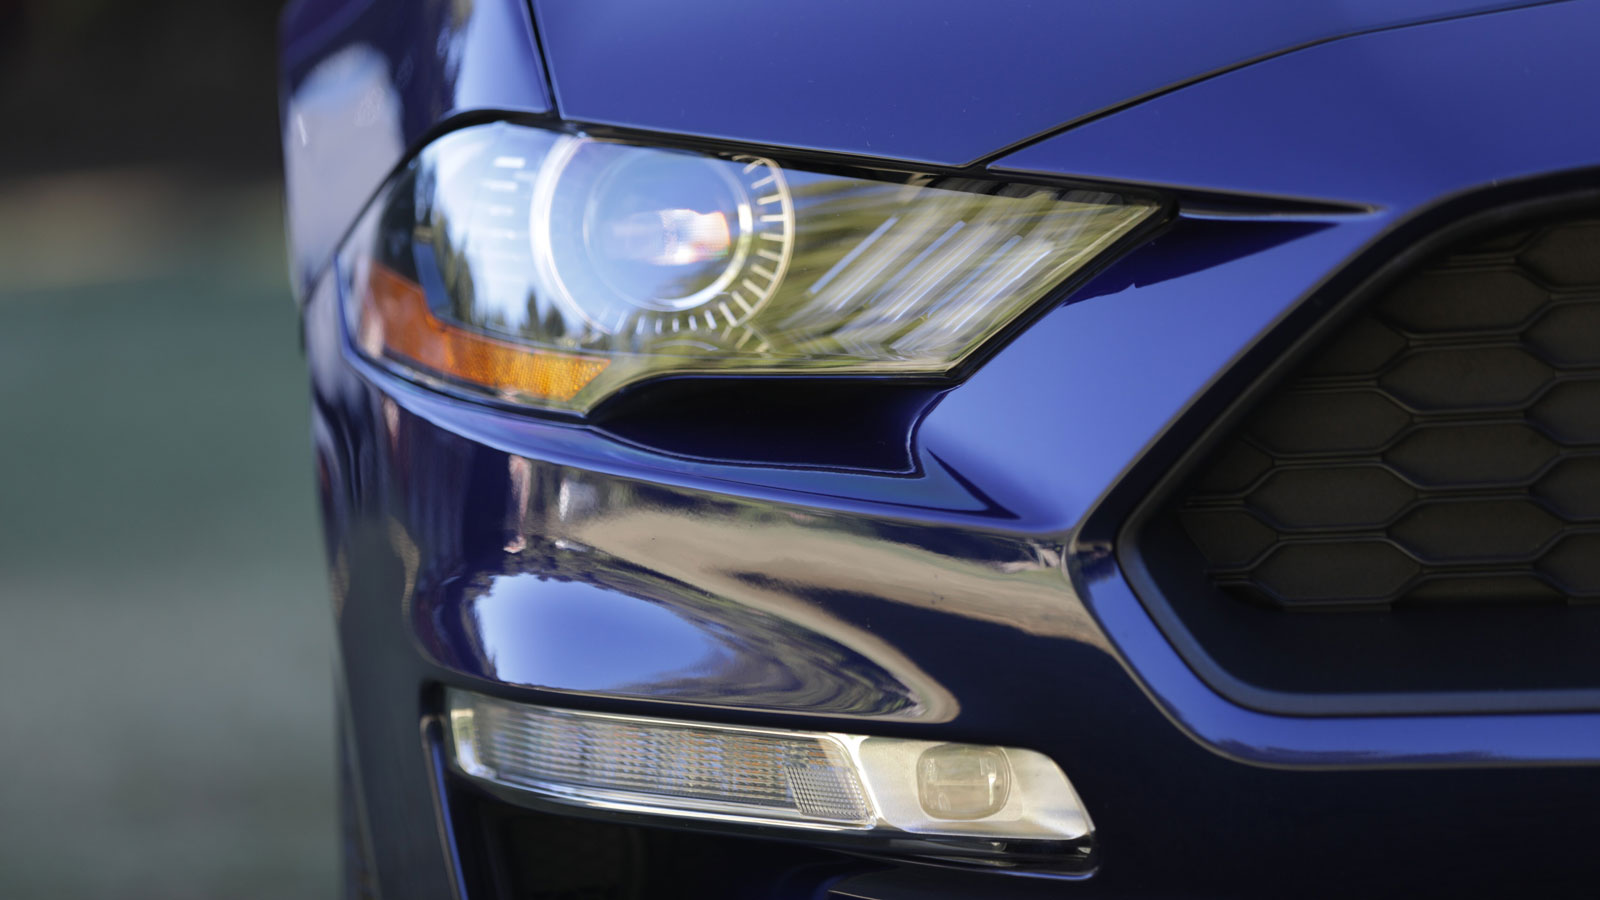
(821, 781)
(660, 766)
(956, 781)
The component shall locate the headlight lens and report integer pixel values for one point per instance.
(553, 269)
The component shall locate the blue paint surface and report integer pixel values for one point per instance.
(939, 81)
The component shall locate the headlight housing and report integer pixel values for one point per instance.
(552, 269)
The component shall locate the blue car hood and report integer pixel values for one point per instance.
(945, 82)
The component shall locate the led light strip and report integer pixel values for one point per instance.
(796, 779)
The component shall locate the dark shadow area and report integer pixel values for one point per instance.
(95, 83)
(814, 423)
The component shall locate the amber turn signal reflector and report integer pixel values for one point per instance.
(397, 323)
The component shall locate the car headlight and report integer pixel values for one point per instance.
(553, 269)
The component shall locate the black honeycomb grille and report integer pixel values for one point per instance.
(1442, 449)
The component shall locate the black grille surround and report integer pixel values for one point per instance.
(1392, 503)
(1443, 448)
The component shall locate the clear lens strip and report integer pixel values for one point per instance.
(814, 780)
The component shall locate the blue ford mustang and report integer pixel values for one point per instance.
(930, 450)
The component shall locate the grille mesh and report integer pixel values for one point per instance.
(1442, 449)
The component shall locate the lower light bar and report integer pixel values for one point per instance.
(819, 781)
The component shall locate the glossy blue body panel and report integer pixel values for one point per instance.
(1398, 119)
(935, 81)
(961, 598)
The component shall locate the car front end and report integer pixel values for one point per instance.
(934, 452)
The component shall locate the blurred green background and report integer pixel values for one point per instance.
(166, 640)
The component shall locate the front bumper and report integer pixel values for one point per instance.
(951, 597)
